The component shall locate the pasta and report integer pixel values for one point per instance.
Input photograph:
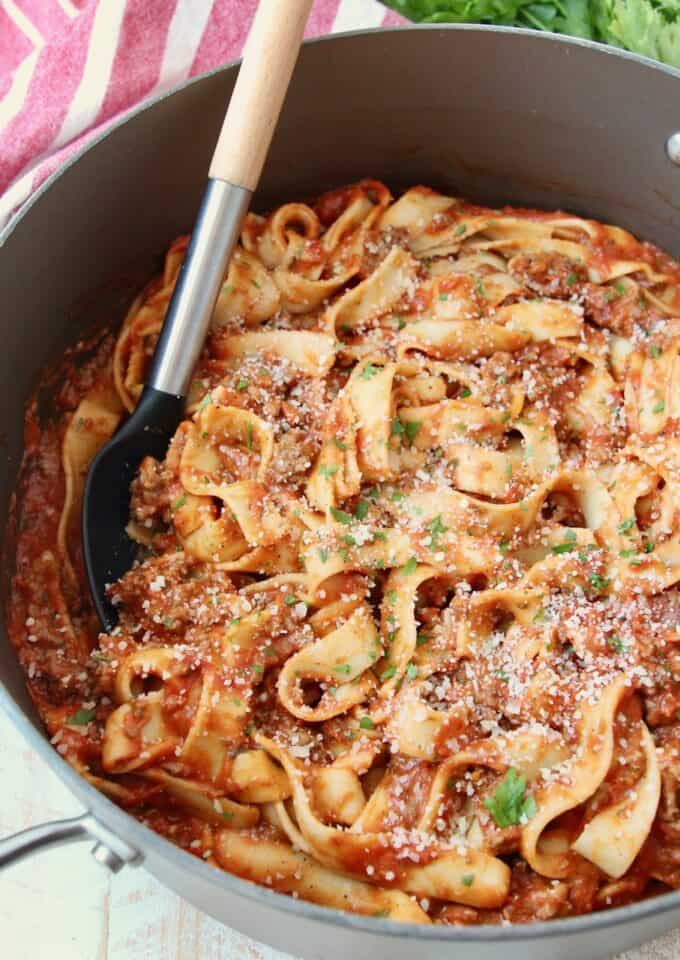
(404, 633)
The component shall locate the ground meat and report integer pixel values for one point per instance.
(378, 245)
(454, 915)
(549, 274)
(616, 308)
(294, 456)
(662, 853)
(533, 897)
(169, 597)
(149, 494)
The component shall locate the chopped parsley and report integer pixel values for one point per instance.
(468, 879)
(411, 428)
(411, 671)
(339, 444)
(179, 502)
(327, 471)
(436, 528)
(465, 393)
(405, 428)
(388, 673)
(659, 407)
(410, 566)
(323, 554)
(616, 643)
(598, 582)
(81, 718)
(344, 668)
(368, 372)
(572, 279)
(361, 509)
(249, 435)
(366, 723)
(242, 385)
(341, 516)
(508, 804)
(626, 525)
(205, 402)
(460, 229)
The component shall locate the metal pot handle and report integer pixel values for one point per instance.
(109, 850)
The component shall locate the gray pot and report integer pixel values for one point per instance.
(498, 115)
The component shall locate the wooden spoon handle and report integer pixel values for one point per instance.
(268, 60)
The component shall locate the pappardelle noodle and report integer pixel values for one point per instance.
(404, 634)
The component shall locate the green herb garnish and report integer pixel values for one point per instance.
(81, 718)
(368, 372)
(508, 804)
(436, 529)
(341, 516)
(362, 509)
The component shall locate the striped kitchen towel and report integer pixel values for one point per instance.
(68, 68)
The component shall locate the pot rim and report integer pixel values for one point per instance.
(142, 836)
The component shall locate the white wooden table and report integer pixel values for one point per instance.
(62, 905)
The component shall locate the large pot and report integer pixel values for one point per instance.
(494, 114)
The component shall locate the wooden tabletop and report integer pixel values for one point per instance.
(62, 905)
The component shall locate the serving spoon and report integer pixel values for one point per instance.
(268, 61)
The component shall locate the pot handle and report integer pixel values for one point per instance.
(109, 850)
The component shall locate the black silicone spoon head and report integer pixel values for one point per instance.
(107, 549)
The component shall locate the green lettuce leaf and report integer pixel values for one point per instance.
(644, 27)
(648, 27)
(576, 20)
(508, 12)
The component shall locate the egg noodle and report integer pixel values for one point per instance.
(404, 634)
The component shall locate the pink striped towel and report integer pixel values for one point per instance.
(70, 67)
